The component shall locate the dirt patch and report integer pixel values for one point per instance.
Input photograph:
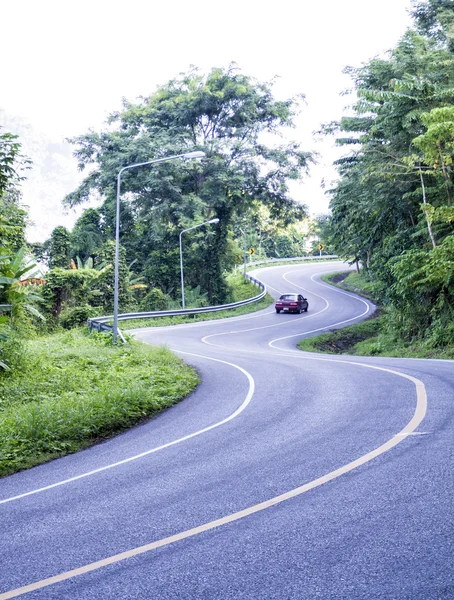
(339, 277)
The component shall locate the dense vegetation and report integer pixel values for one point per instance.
(74, 389)
(371, 337)
(392, 210)
(243, 182)
(61, 391)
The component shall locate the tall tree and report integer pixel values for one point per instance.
(225, 114)
(13, 218)
(435, 19)
(87, 235)
(59, 248)
(391, 206)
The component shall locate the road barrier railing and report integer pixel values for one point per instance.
(295, 259)
(102, 323)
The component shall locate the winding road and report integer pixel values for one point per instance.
(285, 475)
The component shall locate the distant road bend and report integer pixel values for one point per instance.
(285, 475)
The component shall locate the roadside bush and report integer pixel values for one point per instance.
(155, 300)
(12, 351)
(76, 316)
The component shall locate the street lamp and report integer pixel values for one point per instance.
(181, 254)
(193, 154)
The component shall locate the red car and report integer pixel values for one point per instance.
(292, 303)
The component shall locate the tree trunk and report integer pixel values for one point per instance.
(429, 227)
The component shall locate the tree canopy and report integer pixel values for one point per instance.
(237, 122)
(391, 207)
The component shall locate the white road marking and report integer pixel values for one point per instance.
(418, 416)
(152, 450)
(202, 323)
(292, 321)
(409, 429)
(287, 337)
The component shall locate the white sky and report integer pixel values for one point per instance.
(66, 65)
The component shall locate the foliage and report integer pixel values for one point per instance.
(12, 163)
(423, 292)
(17, 300)
(195, 298)
(87, 236)
(70, 288)
(13, 218)
(75, 390)
(375, 336)
(155, 300)
(435, 18)
(343, 341)
(223, 113)
(77, 315)
(391, 209)
(17, 307)
(239, 289)
(59, 248)
(105, 281)
(13, 221)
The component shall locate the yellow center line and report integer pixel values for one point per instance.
(418, 416)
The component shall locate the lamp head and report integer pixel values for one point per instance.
(194, 154)
(216, 220)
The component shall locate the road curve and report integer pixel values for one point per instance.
(284, 475)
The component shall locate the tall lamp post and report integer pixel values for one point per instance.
(181, 254)
(194, 154)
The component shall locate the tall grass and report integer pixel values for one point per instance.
(76, 389)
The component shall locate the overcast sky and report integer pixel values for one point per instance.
(66, 65)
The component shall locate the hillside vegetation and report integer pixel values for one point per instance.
(392, 209)
(374, 336)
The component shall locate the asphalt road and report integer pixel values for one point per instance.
(285, 475)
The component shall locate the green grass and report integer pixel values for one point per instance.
(283, 262)
(354, 282)
(76, 389)
(241, 289)
(370, 337)
(343, 341)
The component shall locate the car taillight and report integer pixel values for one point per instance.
(293, 304)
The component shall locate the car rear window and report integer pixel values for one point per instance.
(289, 297)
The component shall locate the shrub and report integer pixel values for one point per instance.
(76, 316)
(155, 300)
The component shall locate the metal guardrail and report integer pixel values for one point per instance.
(298, 258)
(102, 323)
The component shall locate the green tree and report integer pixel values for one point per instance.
(59, 248)
(391, 206)
(18, 306)
(225, 114)
(87, 236)
(12, 163)
(13, 219)
(435, 19)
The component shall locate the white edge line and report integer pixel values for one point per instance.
(418, 416)
(239, 410)
(302, 334)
